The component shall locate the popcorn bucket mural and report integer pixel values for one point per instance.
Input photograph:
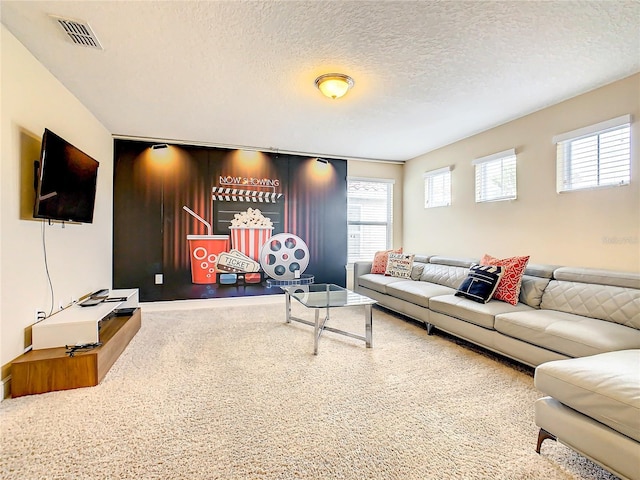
(249, 240)
(249, 231)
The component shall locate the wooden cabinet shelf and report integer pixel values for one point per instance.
(46, 370)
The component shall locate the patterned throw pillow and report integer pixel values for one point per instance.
(399, 265)
(481, 283)
(509, 287)
(379, 264)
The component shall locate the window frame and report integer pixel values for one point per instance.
(482, 166)
(566, 181)
(441, 174)
(389, 211)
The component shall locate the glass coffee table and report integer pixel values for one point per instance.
(326, 296)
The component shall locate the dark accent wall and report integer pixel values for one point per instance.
(301, 196)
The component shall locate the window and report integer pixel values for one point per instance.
(369, 217)
(594, 156)
(496, 177)
(437, 188)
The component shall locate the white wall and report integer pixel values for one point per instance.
(593, 228)
(79, 256)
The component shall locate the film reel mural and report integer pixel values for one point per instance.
(284, 256)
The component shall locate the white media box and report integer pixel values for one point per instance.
(78, 325)
(128, 298)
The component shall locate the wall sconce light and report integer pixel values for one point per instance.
(334, 85)
(322, 160)
(159, 146)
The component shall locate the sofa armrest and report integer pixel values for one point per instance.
(359, 269)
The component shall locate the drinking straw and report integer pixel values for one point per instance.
(191, 212)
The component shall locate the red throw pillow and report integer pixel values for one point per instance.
(379, 264)
(509, 287)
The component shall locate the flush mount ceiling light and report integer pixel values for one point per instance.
(334, 85)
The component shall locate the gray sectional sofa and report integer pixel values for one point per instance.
(592, 404)
(564, 314)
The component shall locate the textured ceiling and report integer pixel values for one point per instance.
(241, 73)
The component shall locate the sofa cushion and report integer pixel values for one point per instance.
(605, 387)
(566, 333)
(481, 283)
(399, 265)
(531, 290)
(481, 314)
(448, 275)
(509, 287)
(418, 293)
(416, 270)
(605, 302)
(376, 282)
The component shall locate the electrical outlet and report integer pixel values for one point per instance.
(39, 315)
(159, 279)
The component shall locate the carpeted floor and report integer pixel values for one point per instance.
(232, 392)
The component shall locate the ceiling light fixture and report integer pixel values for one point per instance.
(322, 160)
(159, 146)
(334, 85)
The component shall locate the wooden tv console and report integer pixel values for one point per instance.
(49, 369)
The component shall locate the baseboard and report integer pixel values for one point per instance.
(193, 304)
(5, 385)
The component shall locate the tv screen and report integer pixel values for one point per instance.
(66, 181)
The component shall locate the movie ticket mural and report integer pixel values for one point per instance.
(195, 222)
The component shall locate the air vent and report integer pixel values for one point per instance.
(79, 32)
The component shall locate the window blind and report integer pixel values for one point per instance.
(496, 177)
(594, 156)
(437, 188)
(369, 217)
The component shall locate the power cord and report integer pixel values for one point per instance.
(71, 350)
(46, 266)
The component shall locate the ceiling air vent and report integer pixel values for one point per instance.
(79, 32)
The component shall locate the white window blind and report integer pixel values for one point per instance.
(369, 217)
(437, 188)
(496, 177)
(595, 156)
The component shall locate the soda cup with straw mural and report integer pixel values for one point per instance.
(204, 251)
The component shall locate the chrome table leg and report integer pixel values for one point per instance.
(368, 325)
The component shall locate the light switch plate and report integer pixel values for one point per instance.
(159, 279)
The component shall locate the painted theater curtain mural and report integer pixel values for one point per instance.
(196, 222)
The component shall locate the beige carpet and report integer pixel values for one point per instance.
(233, 392)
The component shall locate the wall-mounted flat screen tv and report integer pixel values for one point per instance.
(65, 181)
